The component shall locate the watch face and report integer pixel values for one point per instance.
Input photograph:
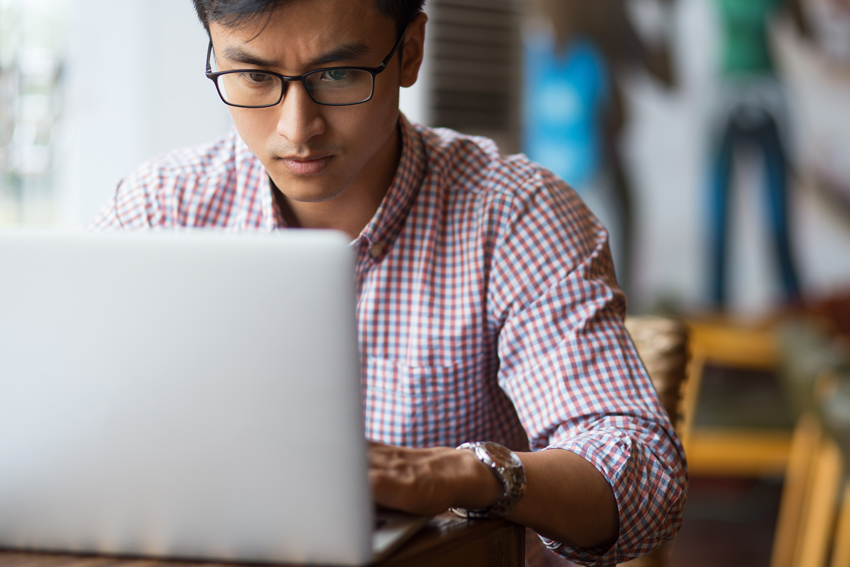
(508, 470)
(503, 455)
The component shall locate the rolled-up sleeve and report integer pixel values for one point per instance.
(573, 374)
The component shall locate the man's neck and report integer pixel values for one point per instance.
(352, 210)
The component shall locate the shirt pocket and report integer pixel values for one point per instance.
(422, 406)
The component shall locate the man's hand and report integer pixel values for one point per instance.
(566, 498)
(429, 481)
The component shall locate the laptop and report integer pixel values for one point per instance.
(186, 395)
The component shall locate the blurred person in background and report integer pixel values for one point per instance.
(488, 311)
(752, 113)
(574, 112)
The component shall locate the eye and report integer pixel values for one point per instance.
(256, 78)
(335, 75)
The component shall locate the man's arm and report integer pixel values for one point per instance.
(428, 481)
(606, 478)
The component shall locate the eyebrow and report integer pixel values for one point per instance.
(345, 52)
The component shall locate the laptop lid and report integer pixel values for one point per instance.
(187, 395)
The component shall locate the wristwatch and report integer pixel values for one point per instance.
(508, 470)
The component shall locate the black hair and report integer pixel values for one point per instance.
(233, 13)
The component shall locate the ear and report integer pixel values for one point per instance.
(414, 49)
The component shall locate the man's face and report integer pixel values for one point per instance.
(312, 152)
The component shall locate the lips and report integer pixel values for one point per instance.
(306, 166)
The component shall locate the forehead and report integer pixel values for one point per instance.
(304, 29)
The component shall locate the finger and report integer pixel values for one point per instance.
(389, 455)
(398, 491)
(382, 455)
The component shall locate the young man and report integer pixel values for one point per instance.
(487, 308)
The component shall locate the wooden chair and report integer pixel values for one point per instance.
(731, 451)
(813, 528)
(662, 344)
(838, 424)
(841, 549)
(814, 515)
(809, 498)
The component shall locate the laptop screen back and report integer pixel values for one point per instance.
(185, 395)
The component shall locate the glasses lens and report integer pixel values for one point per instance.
(340, 86)
(247, 88)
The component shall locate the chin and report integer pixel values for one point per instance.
(297, 192)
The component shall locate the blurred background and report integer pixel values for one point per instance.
(712, 137)
(91, 88)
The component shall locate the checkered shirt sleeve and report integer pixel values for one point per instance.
(572, 372)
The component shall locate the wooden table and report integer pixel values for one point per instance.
(447, 541)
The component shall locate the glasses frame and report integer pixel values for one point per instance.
(373, 71)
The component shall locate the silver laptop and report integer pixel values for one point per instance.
(186, 395)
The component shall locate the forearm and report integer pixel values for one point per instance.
(567, 499)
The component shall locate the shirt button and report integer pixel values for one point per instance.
(376, 250)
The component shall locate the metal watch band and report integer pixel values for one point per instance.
(508, 470)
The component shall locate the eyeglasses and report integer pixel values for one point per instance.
(332, 86)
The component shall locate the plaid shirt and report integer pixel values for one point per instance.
(487, 310)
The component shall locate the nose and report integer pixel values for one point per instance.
(300, 117)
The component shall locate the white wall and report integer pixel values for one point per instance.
(136, 88)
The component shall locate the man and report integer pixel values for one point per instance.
(487, 304)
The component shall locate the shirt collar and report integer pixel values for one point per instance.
(380, 233)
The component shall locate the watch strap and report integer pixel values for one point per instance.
(508, 470)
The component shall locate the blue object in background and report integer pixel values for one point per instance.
(565, 94)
